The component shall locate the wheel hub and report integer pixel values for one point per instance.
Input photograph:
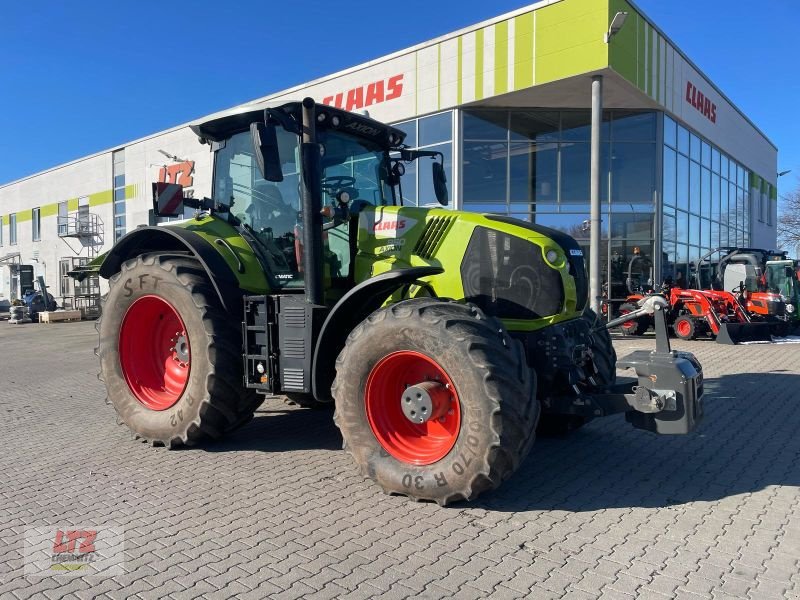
(412, 407)
(181, 348)
(425, 401)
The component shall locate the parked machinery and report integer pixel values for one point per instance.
(702, 310)
(442, 337)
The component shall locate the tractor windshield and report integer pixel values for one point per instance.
(782, 279)
(273, 209)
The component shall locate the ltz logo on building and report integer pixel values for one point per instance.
(180, 173)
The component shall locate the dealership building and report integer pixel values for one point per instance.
(508, 103)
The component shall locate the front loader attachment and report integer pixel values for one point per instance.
(737, 333)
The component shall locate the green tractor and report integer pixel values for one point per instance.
(442, 338)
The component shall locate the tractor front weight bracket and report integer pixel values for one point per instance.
(666, 399)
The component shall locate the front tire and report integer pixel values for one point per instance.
(638, 326)
(685, 327)
(482, 394)
(170, 356)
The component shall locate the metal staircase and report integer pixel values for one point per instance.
(84, 234)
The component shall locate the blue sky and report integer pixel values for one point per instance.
(79, 77)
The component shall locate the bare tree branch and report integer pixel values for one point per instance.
(789, 220)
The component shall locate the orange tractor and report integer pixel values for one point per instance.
(694, 312)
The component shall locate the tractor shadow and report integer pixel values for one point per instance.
(289, 429)
(746, 442)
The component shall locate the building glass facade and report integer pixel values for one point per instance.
(706, 200)
(534, 165)
(434, 133)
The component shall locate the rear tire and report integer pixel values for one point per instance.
(162, 404)
(489, 420)
(637, 327)
(685, 327)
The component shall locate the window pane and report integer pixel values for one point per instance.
(714, 235)
(682, 229)
(632, 226)
(119, 194)
(682, 184)
(670, 168)
(633, 127)
(724, 165)
(485, 171)
(632, 172)
(576, 125)
(426, 193)
(683, 140)
(705, 152)
(694, 230)
(694, 187)
(534, 173)
(435, 129)
(574, 172)
(409, 184)
(410, 129)
(119, 180)
(715, 197)
(705, 233)
(670, 131)
(723, 201)
(732, 205)
(536, 126)
(488, 207)
(669, 234)
(485, 125)
(573, 224)
(715, 160)
(705, 193)
(694, 147)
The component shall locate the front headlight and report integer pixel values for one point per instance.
(790, 308)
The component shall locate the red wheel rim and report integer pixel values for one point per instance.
(628, 325)
(684, 328)
(154, 352)
(413, 443)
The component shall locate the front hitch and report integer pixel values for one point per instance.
(669, 396)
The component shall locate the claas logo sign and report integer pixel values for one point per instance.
(701, 102)
(376, 92)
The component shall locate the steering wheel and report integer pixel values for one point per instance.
(337, 182)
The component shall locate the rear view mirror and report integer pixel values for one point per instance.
(440, 183)
(265, 145)
(167, 199)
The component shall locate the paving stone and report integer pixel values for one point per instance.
(278, 510)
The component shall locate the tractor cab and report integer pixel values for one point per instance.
(782, 278)
(269, 172)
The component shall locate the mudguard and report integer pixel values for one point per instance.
(355, 306)
(144, 240)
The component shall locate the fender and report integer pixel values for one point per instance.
(355, 306)
(146, 240)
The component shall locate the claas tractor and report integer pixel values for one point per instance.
(442, 338)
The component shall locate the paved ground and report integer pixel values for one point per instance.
(279, 510)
